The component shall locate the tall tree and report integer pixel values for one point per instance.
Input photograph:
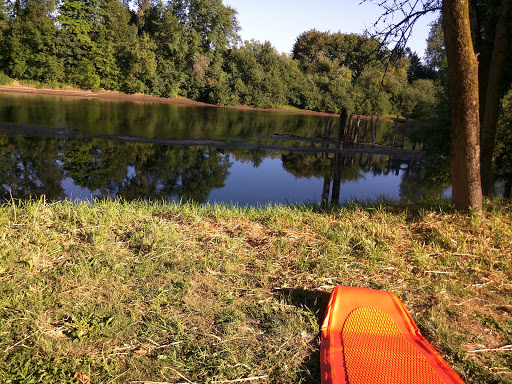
(4, 27)
(492, 74)
(490, 25)
(356, 52)
(80, 21)
(31, 42)
(463, 75)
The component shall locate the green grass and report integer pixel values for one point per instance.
(50, 85)
(117, 292)
(288, 107)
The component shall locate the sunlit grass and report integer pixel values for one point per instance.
(150, 292)
(288, 108)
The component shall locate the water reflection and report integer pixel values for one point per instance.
(71, 148)
(83, 168)
(51, 116)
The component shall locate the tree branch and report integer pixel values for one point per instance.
(408, 12)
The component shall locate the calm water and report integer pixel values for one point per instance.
(80, 149)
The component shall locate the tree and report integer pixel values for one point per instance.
(435, 53)
(463, 76)
(115, 36)
(490, 26)
(4, 27)
(31, 43)
(171, 52)
(417, 69)
(80, 21)
(491, 91)
(28, 168)
(464, 89)
(356, 52)
(504, 144)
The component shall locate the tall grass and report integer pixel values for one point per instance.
(116, 292)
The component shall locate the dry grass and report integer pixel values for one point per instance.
(135, 292)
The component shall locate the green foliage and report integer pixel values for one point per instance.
(80, 22)
(503, 151)
(191, 48)
(4, 79)
(435, 54)
(368, 94)
(141, 66)
(419, 99)
(356, 52)
(85, 75)
(32, 44)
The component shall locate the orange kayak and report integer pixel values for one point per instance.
(368, 337)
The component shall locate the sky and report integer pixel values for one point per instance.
(282, 21)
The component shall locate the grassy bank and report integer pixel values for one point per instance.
(135, 292)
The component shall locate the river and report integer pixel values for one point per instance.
(85, 149)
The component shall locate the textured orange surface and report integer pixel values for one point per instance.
(368, 337)
(373, 341)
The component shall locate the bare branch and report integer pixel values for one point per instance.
(395, 24)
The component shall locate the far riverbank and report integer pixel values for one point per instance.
(19, 89)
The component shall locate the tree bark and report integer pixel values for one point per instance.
(484, 48)
(492, 98)
(463, 77)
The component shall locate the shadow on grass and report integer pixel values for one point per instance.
(315, 302)
(386, 205)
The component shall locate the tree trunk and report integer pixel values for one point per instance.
(463, 77)
(492, 98)
(484, 48)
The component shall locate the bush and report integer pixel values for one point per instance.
(4, 79)
(85, 76)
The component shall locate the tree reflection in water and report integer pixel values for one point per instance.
(63, 147)
(32, 167)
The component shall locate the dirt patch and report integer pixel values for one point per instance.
(17, 88)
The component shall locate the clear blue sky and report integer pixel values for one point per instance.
(281, 21)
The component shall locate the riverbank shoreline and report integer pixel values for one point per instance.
(123, 292)
(18, 89)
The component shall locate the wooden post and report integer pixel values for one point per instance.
(374, 130)
(357, 128)
(341, 129)
(371, 127)
(395, 128)
(365, 131)
(316, 129)
(403, 133)
(347, 128)
(325, 190)
(329, 131)
(335, 199)
(352, 131)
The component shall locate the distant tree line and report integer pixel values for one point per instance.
(191, 48)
